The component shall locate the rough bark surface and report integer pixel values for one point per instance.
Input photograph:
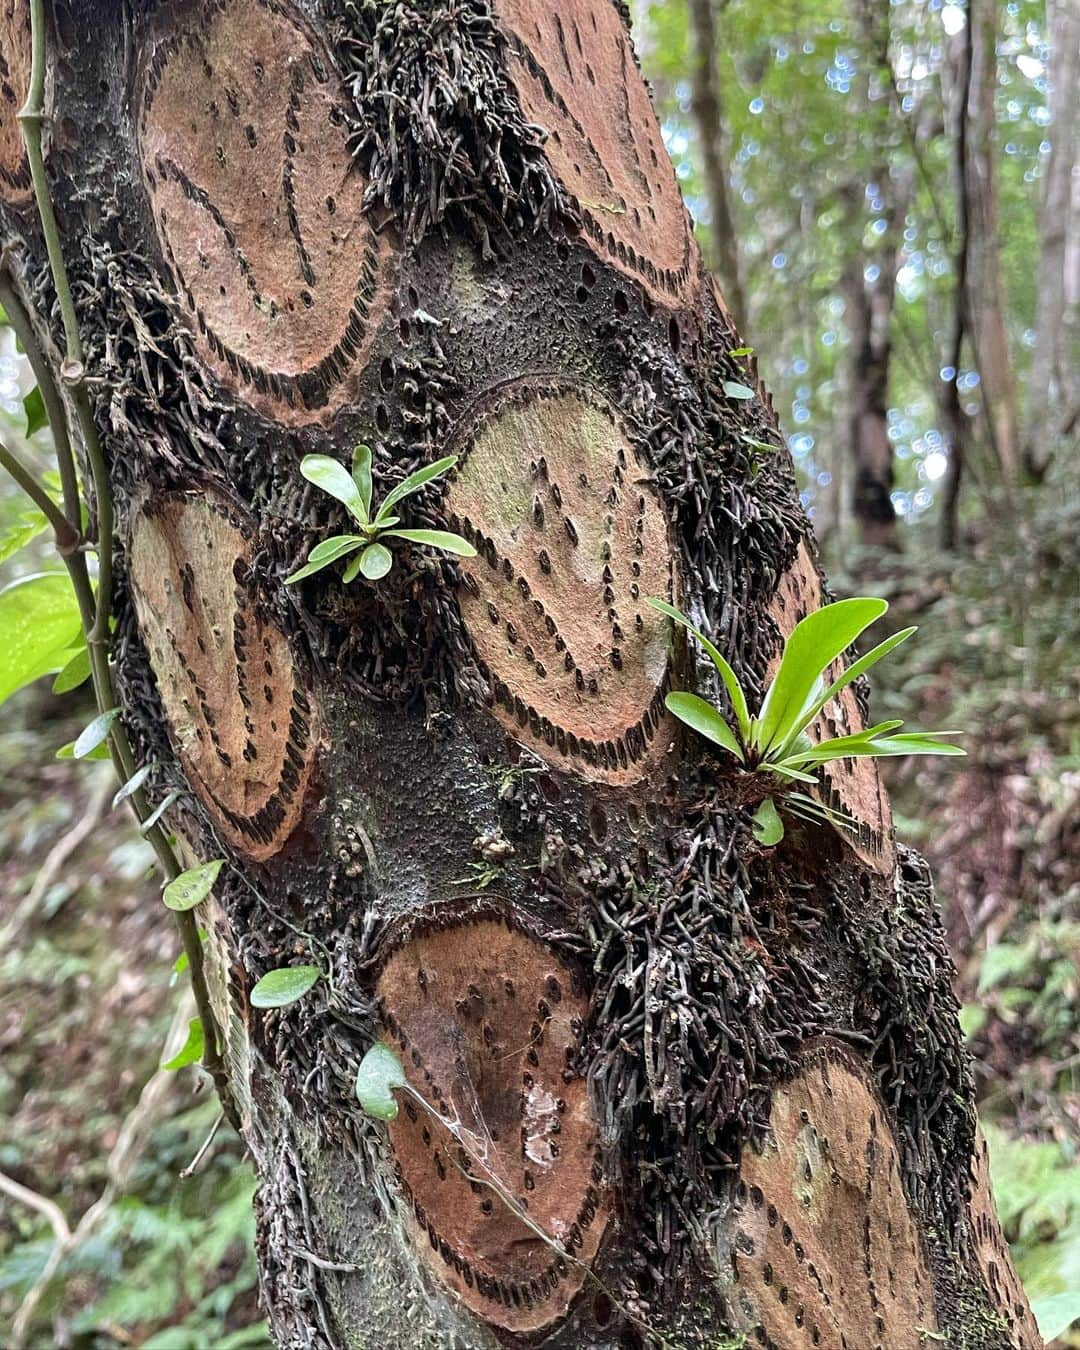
(724, 1086)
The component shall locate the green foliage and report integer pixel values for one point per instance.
(67, 751)
(368, 555)
(279, 988)
(21, 529)
(380, 1072)
(95, 734)
(133, 784)
(191, 1051)
(42, 629)
(767, 825)
(774, 742)
(75, 673)
(150, 1260)
(192, 887)
(34, 408)
(1037, 1190)
(1056, 1313)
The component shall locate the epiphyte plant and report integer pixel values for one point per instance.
(367, 553)
(775, 742)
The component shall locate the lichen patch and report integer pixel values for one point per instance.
(488, 1023)
(258, 204)
(572, 540)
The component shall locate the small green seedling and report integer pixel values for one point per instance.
(774, 742)
(371, 557)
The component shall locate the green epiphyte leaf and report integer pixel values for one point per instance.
(191, 1050)
(379, 1073)
(279, 988)
(192, 887)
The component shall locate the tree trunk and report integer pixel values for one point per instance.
(1053, 389)
(725, 1084)
(985, 294)
(708, 110)
(869, 287)
(868, 312)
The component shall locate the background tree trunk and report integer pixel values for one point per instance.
(726, 1084)
(708, 109)
(1053, 392)
(985, 299)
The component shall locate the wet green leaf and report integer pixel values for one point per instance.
(450, 543)
(96, 734)
(279, 988)
(41, 629)
(192, 887)
(413, 483)
(76, 672)
(361, 472)
(192, 1049)
(767, 826)
(333, 478)
(379, 1073)
(375, 561)
(34, 408)
(703, 718)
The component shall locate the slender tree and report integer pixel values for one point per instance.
(1053, 389)
(663, 1085)
(984, 299)
(708, 109)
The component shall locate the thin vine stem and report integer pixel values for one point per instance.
(73, 371)
(19, 318)
(95, 610)
(37, 494)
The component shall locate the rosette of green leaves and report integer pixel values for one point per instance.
(367, 550)
(775, 740)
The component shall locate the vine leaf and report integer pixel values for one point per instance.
(133, 784)
(279, 988)
(94, 735)
(41, 627)
(76, 672)
(192, 887)
(68, 752)
(379, 1073)
(767, 826)
(191, 1050)
(34, 408)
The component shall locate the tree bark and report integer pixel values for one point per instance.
(1053, 389)
(708, 110)
(869, 287)
(868, 311)
(985, 294)
(725, 1085)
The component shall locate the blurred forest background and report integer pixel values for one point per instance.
(890, 196)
